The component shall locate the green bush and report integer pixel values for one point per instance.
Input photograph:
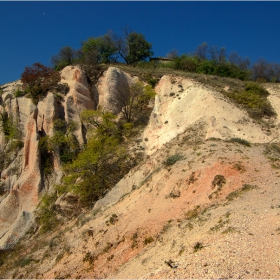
(219, 181)
(239, 192)
(47, 213)
(240, 141)
(173, 159)
(101, 163)
(185, 63)
(254, 99)
(18, 92)
(148, 240)
(197, 246)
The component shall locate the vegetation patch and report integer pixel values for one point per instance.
(221, 223)
(254, 98)
(219, 180)
(191, 214)
(230, 229)
(239, 166)
(89, 257)
(272, 152)
(173, 159)
(240, 141)
(47, 213)
(198, 246)
(239, 192)
(148, 240)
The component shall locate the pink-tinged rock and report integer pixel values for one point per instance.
(16, 209)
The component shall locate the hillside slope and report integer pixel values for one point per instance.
(203, 203)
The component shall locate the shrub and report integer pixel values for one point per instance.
(219, 181)
(47, 213)
(237, 193)
(254, 99)
(38, 79)
(197, 246)
(148, 240)
(173, 159)
(89, 257)
(19, 93)
(61, 88)
(25, 261)
(240, 141)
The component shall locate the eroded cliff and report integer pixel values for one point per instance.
(208, 181)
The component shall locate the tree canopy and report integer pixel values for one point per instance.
(38, 79)
(66, 56)
(138, 48)
(101, 49)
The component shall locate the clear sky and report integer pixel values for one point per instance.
(34, 31)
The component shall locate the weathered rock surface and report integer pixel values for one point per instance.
(48, 112)
(180, 103)
(16, 209)
(113, 88)
(22, 178)
(77, 99)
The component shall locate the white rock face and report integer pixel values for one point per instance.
(113, 88)
(183, 103)
(47, 114)
(77, 99)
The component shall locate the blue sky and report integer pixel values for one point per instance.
(34, 31)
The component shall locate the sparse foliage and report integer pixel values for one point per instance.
(198, 246)
(66, 56)
(173, 159)
(47, 212)
(136, 101)
(38, 79)
(172, 54)
(101, 163)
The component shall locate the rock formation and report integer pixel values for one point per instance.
(22, 180)
(181, 103)
(16, 209)
(113, 88)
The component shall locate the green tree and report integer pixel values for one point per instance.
(133, 47)
(138, 48)
(101, 163)
(99, 50)
(66, 56)
(137, 99)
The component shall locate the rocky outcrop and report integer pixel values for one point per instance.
(181, 103)
(22, 179)
(16, 209)
(77, 99)
(113, 88)
(48, 112)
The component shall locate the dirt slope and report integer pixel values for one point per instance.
(154, 230)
